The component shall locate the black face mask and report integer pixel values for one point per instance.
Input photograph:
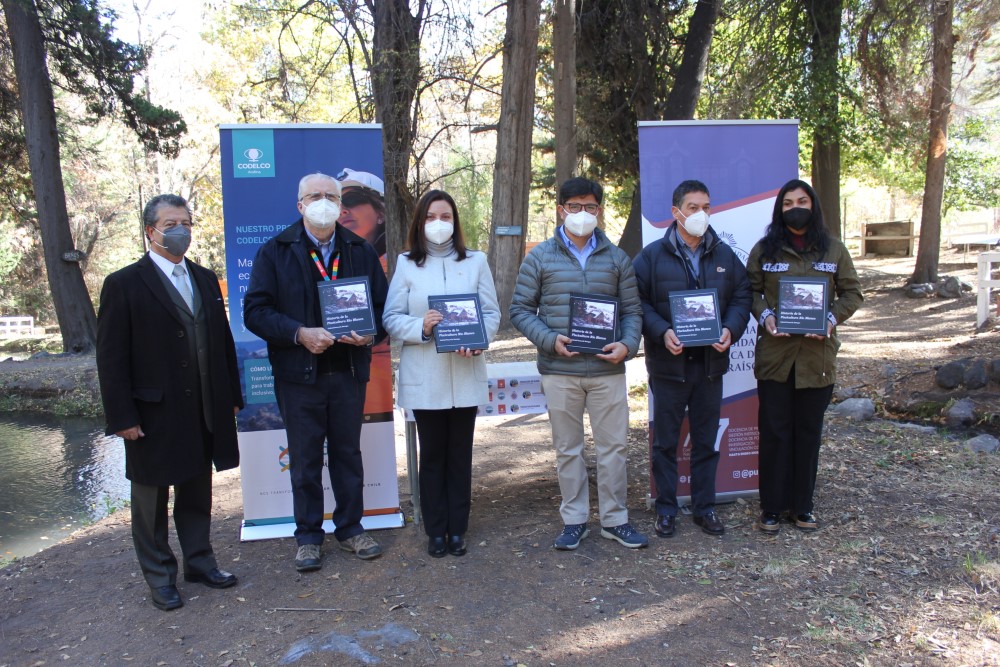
(797, 218)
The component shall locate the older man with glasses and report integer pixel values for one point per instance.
(320, 381)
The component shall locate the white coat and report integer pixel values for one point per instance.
(429, 380)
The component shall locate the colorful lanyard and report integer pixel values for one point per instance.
(322, 271)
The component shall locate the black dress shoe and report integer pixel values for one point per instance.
(665, 525)
(436, 547)
(710, 523)
(165, 598)
(806, 522)
(214, 578)
(769, 522)
(456, 545)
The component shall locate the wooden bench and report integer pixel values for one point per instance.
(887, 238)
(17, 326)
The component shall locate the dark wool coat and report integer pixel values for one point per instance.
(146, 374)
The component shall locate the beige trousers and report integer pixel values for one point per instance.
(606, 401)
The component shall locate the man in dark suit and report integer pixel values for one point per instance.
(170, 387)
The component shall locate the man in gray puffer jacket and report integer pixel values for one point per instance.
(580, 258)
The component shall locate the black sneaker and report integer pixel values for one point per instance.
(571, 536)
(769, 522)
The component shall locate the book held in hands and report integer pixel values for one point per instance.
(346, 306)
(593, 322)
(802, 305)
(462, 323)
(695, 315)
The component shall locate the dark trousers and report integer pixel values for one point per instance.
(329, 411)
(192, 518)
(445, 469)
(790, 421)
(702, 397)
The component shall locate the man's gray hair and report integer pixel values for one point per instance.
(302, 183)
(151, 212)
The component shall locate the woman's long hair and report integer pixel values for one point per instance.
(415, 239)
(777, 235)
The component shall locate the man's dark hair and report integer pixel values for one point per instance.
(151, 212)
(686, 188)
(580, 187)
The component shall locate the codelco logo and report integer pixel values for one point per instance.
(253, 155)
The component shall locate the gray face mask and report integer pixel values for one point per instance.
(176, 240)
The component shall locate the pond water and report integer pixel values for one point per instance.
(56, 476)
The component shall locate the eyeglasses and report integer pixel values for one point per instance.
(316, 196)
(576, 208)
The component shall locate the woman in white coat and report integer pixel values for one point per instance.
(443, 390)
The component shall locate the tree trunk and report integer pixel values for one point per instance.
(512, 171)
(926, 269)
(395, 74)
(825, 17)
(564, 55)
(74, 309)
(681, 102)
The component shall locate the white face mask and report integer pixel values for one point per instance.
(581, 223)
(696, 223)
(438, 231)
(322, 214)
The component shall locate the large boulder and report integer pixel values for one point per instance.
(960, 414)
(975, 376)
(858, 409)
(951, 374)
(949, 288)
(985, 444)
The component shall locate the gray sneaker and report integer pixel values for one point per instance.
(363, 545)
(571, 536)
(308, 558)
(625, 535)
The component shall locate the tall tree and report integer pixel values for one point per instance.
(928, 253)
(512, 171)
(76, 36)
(641, 61)
(395, 74)
(564, 89)
(824, 92)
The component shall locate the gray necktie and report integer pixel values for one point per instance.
(182, 286)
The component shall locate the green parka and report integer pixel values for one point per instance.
(815, 360)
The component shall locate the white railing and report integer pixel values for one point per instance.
(986, 282)
(16, 326)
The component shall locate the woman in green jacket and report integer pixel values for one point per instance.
(795, 372)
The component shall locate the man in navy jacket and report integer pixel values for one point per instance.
(689, 256)
(319, 381)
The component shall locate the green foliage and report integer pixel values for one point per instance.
(972, 175)
(88, 60)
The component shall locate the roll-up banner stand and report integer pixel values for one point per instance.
(261, 168)
(743, 164)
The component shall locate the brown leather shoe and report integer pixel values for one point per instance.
(710, 523)
(665, 525)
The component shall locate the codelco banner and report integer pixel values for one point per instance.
(261, 168)
(743, 164)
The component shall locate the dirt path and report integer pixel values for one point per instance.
(905, 570)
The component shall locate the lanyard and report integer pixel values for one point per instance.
(334, 268)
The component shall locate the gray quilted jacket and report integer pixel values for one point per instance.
(540, 308)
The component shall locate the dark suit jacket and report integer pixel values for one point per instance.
(144, 362)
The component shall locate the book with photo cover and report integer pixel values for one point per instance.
(695, 315)
(346, 306)
(802, 305)
(462, 325)
(593, 322)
